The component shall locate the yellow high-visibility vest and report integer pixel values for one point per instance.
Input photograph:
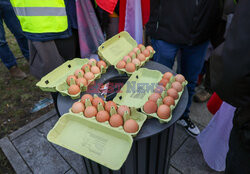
(41, 16)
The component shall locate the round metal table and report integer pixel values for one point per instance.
(151, 148)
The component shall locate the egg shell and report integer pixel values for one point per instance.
(102, 116)
(77, 72)
(173, 93)
(163, 111)
(74, 89)
(163, 82)
(90, 111)
(146, 53)
(83, 67)
(136, 62)
(179, 78)
(81, 80)
(70, 77)
(168, 100)
(130, 67)
(121, 109)
(154, 97)
(177, 85)
(109, 104)
(121, 64)
(167, 75)
(150, 107)
(141, 57)
(86, 96)
(132, 54)
(89, 76)
(91, 60)
(140, 46)
(131, 126)
(150, 48)
(159, 89)
(101, 63)
(77, 107)
(136, 50)
(95, 70)
(97, 100)
(126, 58)
(116, 120)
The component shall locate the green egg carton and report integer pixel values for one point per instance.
(160, 102)
(56, 79)
(114, 49)
(138, 88)
(97, 142)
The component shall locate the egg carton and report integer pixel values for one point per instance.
(114, 49)
(55, 81)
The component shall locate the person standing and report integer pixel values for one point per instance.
(185, 26)
(230, 78)
(7, 15)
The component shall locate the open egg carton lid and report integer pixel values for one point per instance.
(138, 88)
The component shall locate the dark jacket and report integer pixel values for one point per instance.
(230, 70)
(188, 22)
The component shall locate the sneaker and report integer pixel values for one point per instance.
(189, 126)
(202, 96)
(17, 73)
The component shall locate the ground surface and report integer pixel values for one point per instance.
(17, 98)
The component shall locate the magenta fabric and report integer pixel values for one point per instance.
(90, 33)
(133, 20)
(214, 139)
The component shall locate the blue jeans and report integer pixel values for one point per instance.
(191, 62)
(8, 15)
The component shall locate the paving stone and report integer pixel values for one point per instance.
(13, 156)
(189, 159)
(200, 114)
(72, 158)
(180, 136)
(173, 171)
(39, 154)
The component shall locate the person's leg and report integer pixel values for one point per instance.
(165, 52)
(191, 64)
(14, 26)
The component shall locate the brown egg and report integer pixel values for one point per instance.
(141, 57)
(168, 100)
(131, 126)
(91, 60)
(173, 93)
(116, 120)
(81, 80)
(150, 107)
(126, 58)
(136, 50)
(77, 107)
(70, 77)
(154, 97)
(86, 96)
(159, 89)
(167, 75)
(101, 63)
(102, 116)
(163, 82)
(176, 85)
(140, 46)
(163, 111)
(109, 104)
(97, 100)
(74, 89)
(121, 110)
(90, 111)
(89, 76)
(136, 62)
(121, 64)
(95, 70)
(146, 53)
(130, 67)
(150, 48)
(179, 78)
(83, 67)
(78, 71)
(132, 54)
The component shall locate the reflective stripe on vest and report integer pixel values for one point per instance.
(40, 11)
(41, 16)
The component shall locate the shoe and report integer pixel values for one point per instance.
(202, 96)
(17, 73)
(189, 126)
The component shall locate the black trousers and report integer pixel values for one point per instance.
(238, 156)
